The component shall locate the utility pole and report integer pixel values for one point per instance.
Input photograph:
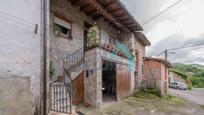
(166, 54)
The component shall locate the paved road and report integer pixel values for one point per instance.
(196, 95)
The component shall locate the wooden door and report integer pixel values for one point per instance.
(78, 89)
(123, 84)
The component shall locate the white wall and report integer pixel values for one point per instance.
(20, 47)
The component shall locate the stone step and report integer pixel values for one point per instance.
(59, 113)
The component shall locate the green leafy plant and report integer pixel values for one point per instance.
(93, 37)
(51, 69)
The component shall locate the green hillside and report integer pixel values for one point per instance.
(195, 73)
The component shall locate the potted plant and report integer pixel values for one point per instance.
(93, 37)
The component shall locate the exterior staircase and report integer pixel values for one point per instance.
(72, 63)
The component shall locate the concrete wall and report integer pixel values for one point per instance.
(164, 79)
(20, 50)
(15, 96)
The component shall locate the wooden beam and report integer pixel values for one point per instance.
(131, 26)
(84, 7)
(126, 19)
(75, 2)
(129, 23)
(115, 10)
(110, 3)
(121, 15)
(103, 11)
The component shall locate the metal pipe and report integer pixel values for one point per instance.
(45, 17)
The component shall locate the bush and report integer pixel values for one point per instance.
(197, 82)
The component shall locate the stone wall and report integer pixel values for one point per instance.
(90, 81)
(139, 61)
(93, 84)
(61, 47)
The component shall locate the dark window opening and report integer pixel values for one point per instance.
(61, 30)
(86, 29)
(89, 73)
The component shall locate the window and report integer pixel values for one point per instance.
(142, 69)
(89, 73)
(62, 28)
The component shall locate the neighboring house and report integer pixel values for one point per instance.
(49, 61)
(20, 56)
(176, 77)
(156, 74)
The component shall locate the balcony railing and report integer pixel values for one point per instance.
(114, 46)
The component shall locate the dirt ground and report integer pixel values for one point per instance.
(147, 104)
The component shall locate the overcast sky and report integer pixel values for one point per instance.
(182, 25)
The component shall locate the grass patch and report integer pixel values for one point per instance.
(145, 95)
(148, 94)
(150, 101)
(202, 106)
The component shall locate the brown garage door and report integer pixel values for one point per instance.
(123, 86)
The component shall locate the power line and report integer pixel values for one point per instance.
(186, 47)
(181, 48)
(162, 12)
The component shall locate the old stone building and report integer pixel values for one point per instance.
(156, 72)
(120, 46)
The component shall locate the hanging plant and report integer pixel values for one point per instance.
(51, 69)
(93, 37)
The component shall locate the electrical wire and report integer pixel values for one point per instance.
(16, 20)
(160, 13)
(181, 48)
(201, 44)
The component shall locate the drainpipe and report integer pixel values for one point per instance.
(45, 36)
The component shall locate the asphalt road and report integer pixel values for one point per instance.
(196, 95)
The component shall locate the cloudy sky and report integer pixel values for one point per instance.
(180, 26)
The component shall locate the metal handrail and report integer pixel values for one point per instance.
(69, 62)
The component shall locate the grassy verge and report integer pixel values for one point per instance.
(202, 106)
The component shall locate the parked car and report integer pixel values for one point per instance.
(178, 85)
(185, 87)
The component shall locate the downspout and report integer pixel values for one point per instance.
(45, 29)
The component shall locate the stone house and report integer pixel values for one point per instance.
(47, 61)
(101, 61)
(156, 74)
